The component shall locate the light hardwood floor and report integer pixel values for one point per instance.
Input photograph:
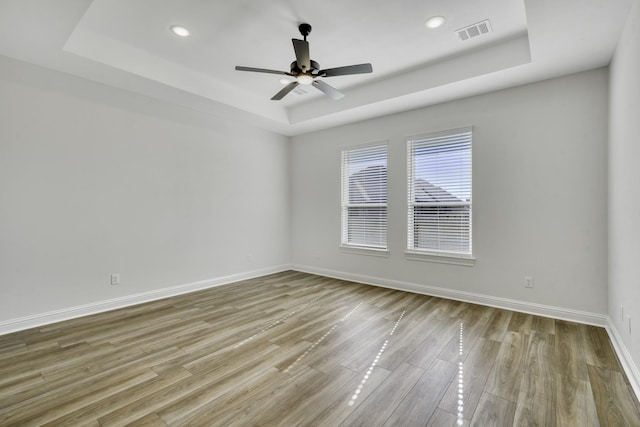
(296, 349)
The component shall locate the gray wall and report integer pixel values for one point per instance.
(539, 194)
(95, 180)
(624, 187)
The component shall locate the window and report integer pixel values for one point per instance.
(439, 172)
(364, 197)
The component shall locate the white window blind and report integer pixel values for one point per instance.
(364, 197)
(439, 190)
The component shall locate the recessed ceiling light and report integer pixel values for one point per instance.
(179, 30)
(435, 22)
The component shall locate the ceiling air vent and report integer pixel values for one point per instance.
(299, 91)
(474, 30)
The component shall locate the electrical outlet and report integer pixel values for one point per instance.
(528, 282)
(115, 279)
(249, 257)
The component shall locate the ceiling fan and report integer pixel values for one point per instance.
(308, 72)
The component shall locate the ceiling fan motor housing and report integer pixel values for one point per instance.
(295, 70)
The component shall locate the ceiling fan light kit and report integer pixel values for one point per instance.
(308, 72)
(304, 79)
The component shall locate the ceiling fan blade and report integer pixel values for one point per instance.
(261, 70)
(329, 90)
(302, 54)
(288, 88)
(345, 71)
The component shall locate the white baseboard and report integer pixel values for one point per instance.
(27, 322)
(509, 304)
(629, 366)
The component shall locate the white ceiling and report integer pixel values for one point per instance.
(128, 44)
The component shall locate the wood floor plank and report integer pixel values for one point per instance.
(520, 322)
(237, 400)
(115, 401)
(61, 384)
(343, 342)
(442, 418)
(25, 382)
(324, 398)
(473, 324)
(232, 376)
(597, 348)
(303, 396)
(372, 339)
(310, 329)
(44, 410)
(478, 364)
(506, 375)
(569, 357)
(149, 420)
(404, 338)
(200, 379)
(103, 357)
(339, 407)
(534, 410)
(614, 404)
(297, 349)
(575, 406)
(437, 334)
(263, 409)
(543, 324)
(538, 375)
(497, 325)
(494, 411)
(421, 402)
(375, 410)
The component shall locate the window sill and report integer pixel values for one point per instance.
(362, 250)
(468, 261)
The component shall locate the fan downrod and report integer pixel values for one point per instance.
(304, 29)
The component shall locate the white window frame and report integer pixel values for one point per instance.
(438, 252)
(349, 158)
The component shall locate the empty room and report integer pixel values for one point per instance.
(297, 213)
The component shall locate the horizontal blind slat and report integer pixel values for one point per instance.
(439, 175)
(364, 196)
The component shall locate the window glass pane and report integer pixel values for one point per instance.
(364, 197)
(368, 226)
(439, 168)
(368, 185)
(442, 228)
